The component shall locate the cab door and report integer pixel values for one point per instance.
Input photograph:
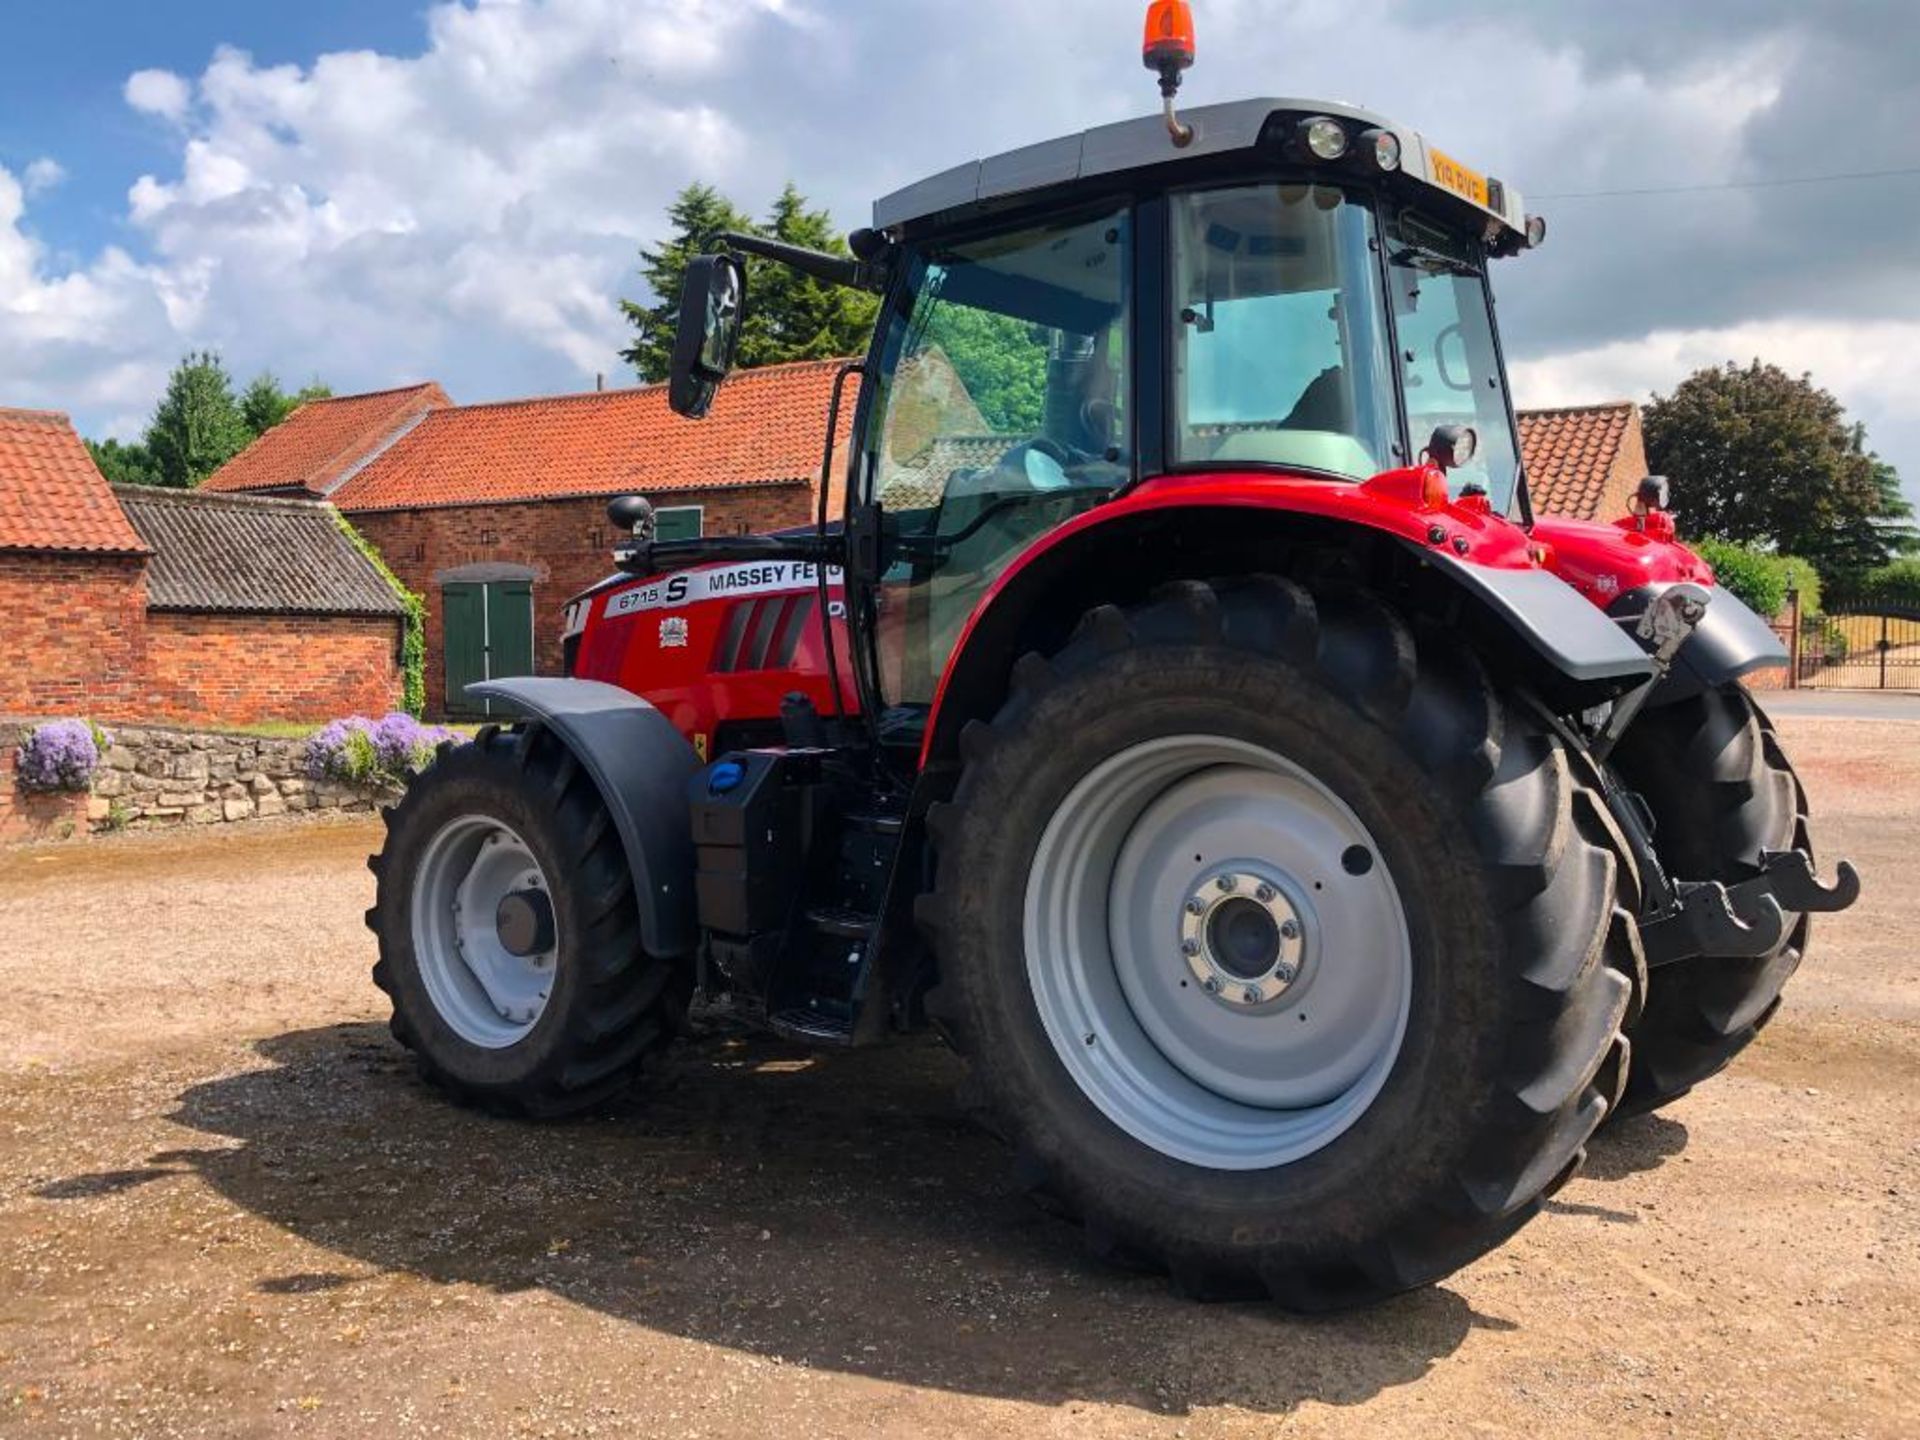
(1001, 411)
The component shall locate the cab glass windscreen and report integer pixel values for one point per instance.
(1280, 345)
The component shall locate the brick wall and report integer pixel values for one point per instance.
(245, 669)
(77, 639)
(71, 637)
(567, 545)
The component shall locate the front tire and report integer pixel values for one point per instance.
(500, 847)
(1445, 870)
(1721, 791)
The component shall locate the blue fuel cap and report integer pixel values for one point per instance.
(725, 776)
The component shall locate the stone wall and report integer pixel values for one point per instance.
(151, 778)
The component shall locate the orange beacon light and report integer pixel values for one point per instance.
(1169, 44)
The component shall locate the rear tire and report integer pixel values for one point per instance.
(1505, 870)
(608, 1006)
(1721, 790)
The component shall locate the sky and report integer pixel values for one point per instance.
(374, 192)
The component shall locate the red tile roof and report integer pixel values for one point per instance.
(52, 497)
(324, 441)
(766, 427)
(1582, 459)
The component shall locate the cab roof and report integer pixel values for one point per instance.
(1220, 132)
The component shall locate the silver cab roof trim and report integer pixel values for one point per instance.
(1133, 145)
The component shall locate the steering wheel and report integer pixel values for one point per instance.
(1049, 474)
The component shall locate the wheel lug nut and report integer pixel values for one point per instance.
(1252, 995)
(1289, 929)
(1284, 973)
(1227, 882)
(1196, 906)
(1189, 947)
(1211, 984)
(1264, 894)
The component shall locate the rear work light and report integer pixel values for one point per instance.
(1324, 138)
(1381, 149)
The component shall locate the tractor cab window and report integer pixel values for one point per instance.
(1002, 412)
(1280, 349)
(1449, 364)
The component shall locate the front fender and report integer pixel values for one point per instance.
(1730, 641)
(640, 764)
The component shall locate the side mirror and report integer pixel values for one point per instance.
(1651, 495)
(713, 305)
(1452, 446)
(632, 515)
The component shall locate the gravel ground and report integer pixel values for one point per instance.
(228, 1208)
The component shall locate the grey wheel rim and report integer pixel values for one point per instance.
(1217, 951)
(484, 938)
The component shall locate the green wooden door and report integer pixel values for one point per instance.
(509, 629)
(487, 634)
(463, 613)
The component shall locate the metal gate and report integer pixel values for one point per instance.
(1875, 650)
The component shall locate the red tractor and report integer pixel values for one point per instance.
(1177, 704)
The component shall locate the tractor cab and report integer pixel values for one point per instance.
(1270, 289)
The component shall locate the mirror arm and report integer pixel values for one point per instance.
(658, 556)
(834, 269)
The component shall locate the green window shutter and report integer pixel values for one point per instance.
(678, 522)
(464, 641)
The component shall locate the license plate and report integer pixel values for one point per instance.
(1454, 176)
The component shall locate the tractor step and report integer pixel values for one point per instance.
(812, 1027)
(841, 922)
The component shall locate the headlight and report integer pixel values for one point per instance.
(1324, 138)
(1536, 231)
(1382, 148)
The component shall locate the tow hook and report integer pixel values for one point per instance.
(1669, 622)
(1748, 918)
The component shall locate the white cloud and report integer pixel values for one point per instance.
(159, 92)
(1868, 364)
(42, 175)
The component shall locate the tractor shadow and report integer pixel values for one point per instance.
(833, 1212)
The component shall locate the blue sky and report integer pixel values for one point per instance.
(376, 192)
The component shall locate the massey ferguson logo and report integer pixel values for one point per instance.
(722, 582)
(673, 633)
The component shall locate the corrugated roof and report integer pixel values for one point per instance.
(52, 497)
(325, 441)
(247, 554)
(767, 426)
(1571, 455)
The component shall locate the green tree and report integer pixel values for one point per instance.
(265, 404)
(697, 214)
(1762, 457)
(790, 316)
(124, 463)
(999, 360)
(197, 427)
(794, 316)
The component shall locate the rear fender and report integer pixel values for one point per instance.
(640, 764)
(1203, 528)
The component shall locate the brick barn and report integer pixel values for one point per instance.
(1584, 461)
(496, 514)
(131, 604)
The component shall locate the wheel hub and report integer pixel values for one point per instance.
(484, 931)
(1242, 938)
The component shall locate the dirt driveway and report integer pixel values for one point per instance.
(228, 1208)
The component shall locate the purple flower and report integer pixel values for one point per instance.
(360, 751)
(59, 755)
